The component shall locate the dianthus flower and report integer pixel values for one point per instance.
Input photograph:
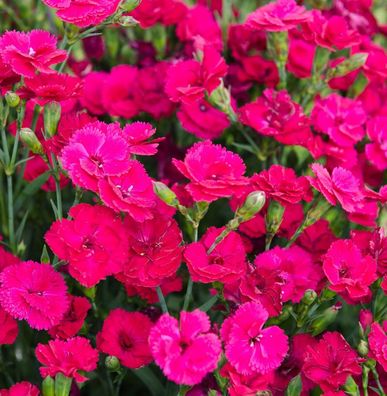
(8, 328)
(340, 118)
(376, 150)
(186, 351)
(83, 13)
(23, 388)
(225, 263)
(331, 32)
(377, 340)
(27, 53)
(73, 319)
(131, 192)
(67, 357)
(282, 185)
(330, 362)
(349, 273)
(137, 134)
(342, 186)
(275, 114)
(118, 91)
(301, 55)
(155, 251)
(214, 172)
(91, 95)
(95, 151)
(34, 292)
(7, 258)
(125, 336)
(278, 16)
(7, 76)
(250, 348)
(94, 243)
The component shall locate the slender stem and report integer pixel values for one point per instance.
(58, 194)
(364, 381)
(269, 239)
(11, 220)
(377, 380)
(218, 239)
(162, 301)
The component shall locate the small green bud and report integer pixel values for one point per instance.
(165, 194)
(363, 348)
(127, 21)
(254, 202)
(325, 319)
(52, 112)
(29, 138)
(309, 297)
(353, 63)
(130, 5)
(274, 216)
(112, 363)
(12, 99)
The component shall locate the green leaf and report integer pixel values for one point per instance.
(149, 378)
(45, 258)
(209, 304)
(351, 387)
(295, 387)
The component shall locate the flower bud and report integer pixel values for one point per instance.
(127, 21)
(29, 138)
(112, 363)
(322, 321)
(52, 112)
(129, 5)
(363, 348)
(165, 194)
(252, 205)
(309, 297)
(365, 318)
(274, 216)
(12, 99)
(354, 62)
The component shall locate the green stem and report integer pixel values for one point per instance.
(162, 301)
(11, 220)
(218, 240)
(364, 381)
(377, 380)
(58, 194)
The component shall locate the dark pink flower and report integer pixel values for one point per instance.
(214, 172)
(349, 273)
(376, 150)
(301, 55)
(377, 340)
(250, 348)
(7, 76)
(21, 389)
(34, 292)
(137, 135)
(275, 114)
(95, 151)
(91, 96)
(257, 68)
(342, 119)
(131, 192)
(186, 351)
(225, 263)
(68, 357)
(31, 52)
(83, 13)
(125, 336)
(342, 186)
(7, 258)
(93, 242)
(278, 16)
(8, 328)
(73, 319)
(330, 362)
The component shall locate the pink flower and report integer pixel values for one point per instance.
(27, 53)
(73, 319)
(349, 273)
(340, 118)
(377, 340)
(7, 258)
(21, 389)
(155, 251)
(131, 192)
(225, 263)
(282, 184)
(376, 151)
(277, 16)
(202, 120)
(83, 13)
(94, 243)
(7, 76)
(125, 336)
(214, 172)
(330, 362)
(67, 357)
(275, 114)
(329, 32)
(250, 348)
(118, 91)
(95, 151)
(34, 292)
(342, 186)
(137, 135)
(301, 55)
(186, 351)
(8, 328)
(91, 97)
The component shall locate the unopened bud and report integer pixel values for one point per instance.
(363, 348)
(165, 194)
(254, 202)
(52, 112)
(274, 216)
(129, 5)
(112, 363)
(12, 99)
(354, 62)
(325, 319)
(127, 21)
(29, 138)
(309, 297)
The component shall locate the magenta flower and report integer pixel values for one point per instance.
(214, 172)
(95, 151)
(8, 328)
(377, 340)
(250, 348)
(91, 97)
(23, 388)
(27, 53)
(94, 243)
(278, 16)
(34, 292)
(376, 150)
(185, 351)
(137, 135)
